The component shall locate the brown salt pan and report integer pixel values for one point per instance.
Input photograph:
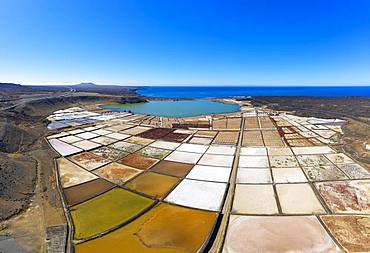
(156, 133)
(352, 232)
(219, 124)
(250, 123)
(117, 173)
(177, 137)
(226, 138)
(82, 192)
(153, 184)
(233, 123)
(299, 142)
(272, 138)
(266, 122)
(252, 138)
(172, 168)
(139, 140)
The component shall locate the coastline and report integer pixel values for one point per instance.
(193, 92)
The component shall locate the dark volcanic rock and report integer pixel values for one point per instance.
(132, 100)
(17, 182)
(13, 138)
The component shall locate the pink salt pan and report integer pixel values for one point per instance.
(250, 234)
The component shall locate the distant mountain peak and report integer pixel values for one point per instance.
(86, 85)
(10, 85)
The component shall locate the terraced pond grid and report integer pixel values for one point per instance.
(232, 183)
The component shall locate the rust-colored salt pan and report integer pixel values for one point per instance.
(138, 161)
(352, 232)
(89, 160)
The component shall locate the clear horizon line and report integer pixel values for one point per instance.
(32, 83)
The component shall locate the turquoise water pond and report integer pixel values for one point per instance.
(180, 108)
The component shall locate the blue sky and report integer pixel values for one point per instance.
(313, 42)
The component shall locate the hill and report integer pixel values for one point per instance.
(10, 86)
(82, 87)
(105, 89)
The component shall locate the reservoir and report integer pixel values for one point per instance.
(179, 108)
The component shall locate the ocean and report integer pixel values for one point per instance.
(234, 91)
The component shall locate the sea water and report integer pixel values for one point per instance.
(233, 91)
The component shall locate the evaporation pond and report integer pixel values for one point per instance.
(179, 108)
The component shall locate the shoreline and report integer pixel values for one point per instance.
(197, 92)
